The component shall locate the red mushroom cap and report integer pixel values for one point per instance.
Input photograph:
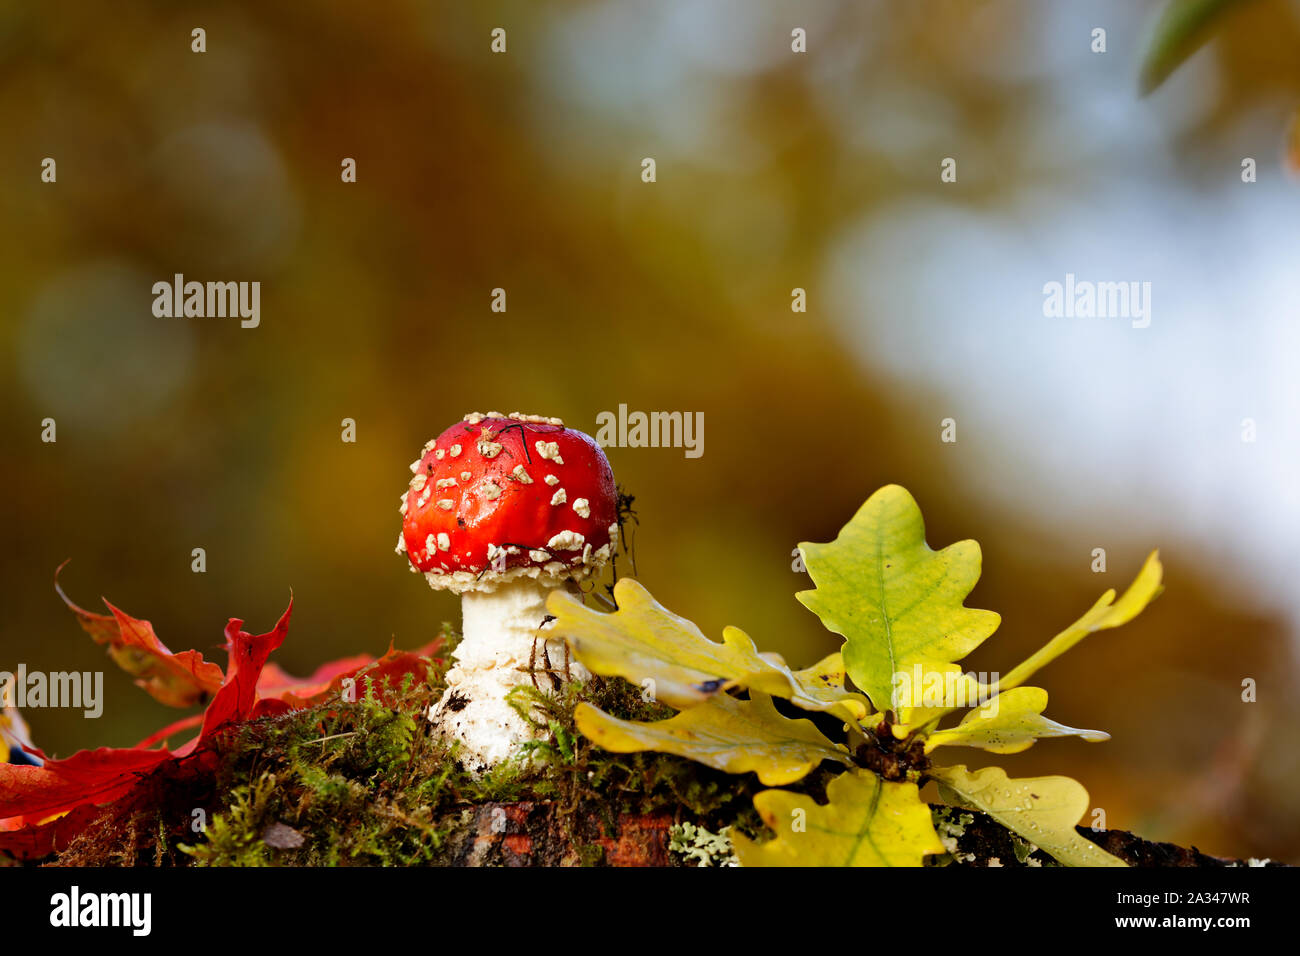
(497, 497)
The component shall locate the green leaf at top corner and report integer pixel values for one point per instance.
(895, 601)
(1183, 27)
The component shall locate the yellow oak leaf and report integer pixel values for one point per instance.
(725, 733)
(865, 822)
(649, 645)
(1009, 723)
(1106, 613)
(1043, 810)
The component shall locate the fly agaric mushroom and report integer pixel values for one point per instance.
(502, 509)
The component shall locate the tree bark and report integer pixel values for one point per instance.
(539, 834)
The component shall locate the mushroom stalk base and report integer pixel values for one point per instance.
(500, 649)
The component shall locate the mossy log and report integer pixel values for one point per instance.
(369, 783)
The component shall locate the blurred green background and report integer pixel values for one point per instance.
(775, 171)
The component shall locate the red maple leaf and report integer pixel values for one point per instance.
(43, 807)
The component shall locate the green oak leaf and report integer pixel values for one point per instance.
(644, 641)
(1043, 810)
(725, 733)
(865, 822)
(894, 600)
(1009, 723)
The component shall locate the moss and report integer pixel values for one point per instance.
(234, 839)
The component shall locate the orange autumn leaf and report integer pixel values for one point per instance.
(177, 680)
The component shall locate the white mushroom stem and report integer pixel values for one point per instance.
(500, 649)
